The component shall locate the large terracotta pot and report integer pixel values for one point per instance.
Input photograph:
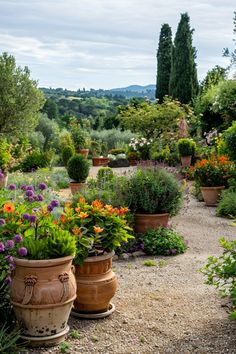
(96, 284)
(42, 294)
(84, 152)
(211, 195)
(133, 162)
(186, 161)
(144, 222)
(3, 181)
(76, 187)
(100, 161)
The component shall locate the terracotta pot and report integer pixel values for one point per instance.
(3, 181)
(186, 161)
(133, 162)
(96, 284)
(100, 161)
(144, 222)
(42, 294)
(84, 152)
(211, 195)
(76, 187)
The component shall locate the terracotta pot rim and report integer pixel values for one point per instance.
(74, 183)
(100, 158)
(218, 187)
(46, 306)
(101, 257)
(151, 215)
(83, 150)
(38, 263)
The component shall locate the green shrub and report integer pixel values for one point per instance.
(78, 168)
(221, 272)
(105, 174)
(186, 147)
(67, 153)
(229, 137)
(36, 160)
(153, 190)
(117, 151)
(112, 138)
(81, 139)
(227, 204)
(163, 241)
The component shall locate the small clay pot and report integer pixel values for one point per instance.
(186, 161)
(100, 161)
(144, 222)
(211, 195)
(76, 187)
(84, 152)
(3, 181)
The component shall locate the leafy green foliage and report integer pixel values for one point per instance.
(183, 77)
(81, 138)
(164, 62)
(35, 160)
(227, 204)
(5, 155)
(153, 191)
(50, 131)
(163, 241)
(111, 138)
(20, 99)
(104, 175)
(67, 152)
(65, 347)
(186, 147)
(78, 168)
(8, 340)
(229, 137)
(150, 263)
(221, 272)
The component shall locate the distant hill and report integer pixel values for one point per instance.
(135, 88)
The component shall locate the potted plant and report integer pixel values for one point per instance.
(186, 149)
(99, 229)
(212, 176)
(153, 195)
(39, 256)
(78, 170)
(5, 157)
(133, 158)
(81, 141)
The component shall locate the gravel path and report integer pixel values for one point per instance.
(165, 309)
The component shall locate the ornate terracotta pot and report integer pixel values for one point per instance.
(76, 187)
(144, 222)
(186, 161)
(42, 294)
(211, 195)
(84, 152)
(96, 284)
(3, 181)
(100, 161)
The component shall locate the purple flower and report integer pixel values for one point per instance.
(54, 203)
(8, 280)
(1, 175)
(50, 208)
(23, 187)
(11, 266)
(29, 193)
(2, 247)
(30, 199)
(9, 244)
(25, 216)
(22, 251)
(17, 238)
(2, 222)
(32, 218)
(12, 187)
(9, 259)
(35, 197)
(40, 198)
(29, 188)
(42, 186)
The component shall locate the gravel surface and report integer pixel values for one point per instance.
(165, 309)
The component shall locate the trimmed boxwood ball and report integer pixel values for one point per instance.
(67, 152)
(163, 241)
(78, 168)
(186, 147)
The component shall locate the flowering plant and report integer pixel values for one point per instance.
(30, 229)
(214, 172)
(5, 157)
(141, 146)
(97, 228)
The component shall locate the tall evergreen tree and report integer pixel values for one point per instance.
(183, 77)
(163, 62)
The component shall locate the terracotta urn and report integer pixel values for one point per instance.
(211, 195)
(144, 222)
(3, 181)
(133, 162)
(186, 161)
(96, 284)
(100, 161)
(84, 152)
(42, 294)
(76, 187)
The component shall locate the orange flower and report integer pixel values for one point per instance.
(97, 204)
(76, 231)
(77, 210)
(82, 200)
(223, 159)
(55, 222)
(9, 207)
(116, 211)
(108, 207)
(97, 229)
(123, 210)
(62, 218)
(83, 215)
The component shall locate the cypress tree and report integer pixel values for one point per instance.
(183, 77)
(163, 62)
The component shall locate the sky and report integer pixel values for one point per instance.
(107, 43)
